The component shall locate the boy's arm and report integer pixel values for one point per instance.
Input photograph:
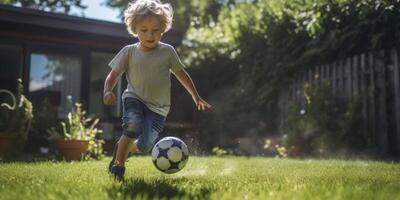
(184, 78)
(109, 97)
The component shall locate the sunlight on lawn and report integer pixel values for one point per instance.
(204, 178)
(199, 171)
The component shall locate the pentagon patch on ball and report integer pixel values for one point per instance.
(170, 155)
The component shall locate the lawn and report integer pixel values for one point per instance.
(204, 178)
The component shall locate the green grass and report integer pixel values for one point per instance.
(204, 178)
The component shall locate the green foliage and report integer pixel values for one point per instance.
(268, 42)
(280, 151)
(325, 125)
(95, 149)
(186, 12)
(77, 127)
(244, 52)
(16, 115)
(63, 6)
(219, 151)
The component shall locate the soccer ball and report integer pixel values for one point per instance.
(170, 155)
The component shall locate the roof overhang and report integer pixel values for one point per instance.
(63, 22)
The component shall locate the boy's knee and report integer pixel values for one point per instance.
(131, 126)
(131, 129)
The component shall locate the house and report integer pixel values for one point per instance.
(60, 56)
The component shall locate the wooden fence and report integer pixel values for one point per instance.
(372, 78)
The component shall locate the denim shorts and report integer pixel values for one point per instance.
(139, 122)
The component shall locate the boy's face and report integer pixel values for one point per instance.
(149, 31)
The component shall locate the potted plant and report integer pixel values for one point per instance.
(15, 120)
(78, 135)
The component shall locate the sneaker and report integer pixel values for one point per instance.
(118, 172)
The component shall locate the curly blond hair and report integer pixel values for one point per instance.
(142, 9)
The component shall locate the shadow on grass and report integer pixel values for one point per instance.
(156, 189)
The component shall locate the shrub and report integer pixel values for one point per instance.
(15, 117)
(266, 43)
(325, 125)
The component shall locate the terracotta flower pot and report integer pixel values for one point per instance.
(72, 149)
(6, 143)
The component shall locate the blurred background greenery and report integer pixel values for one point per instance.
(243, 53)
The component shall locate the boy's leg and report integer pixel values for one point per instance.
(123, 147)
(114, 156)
(132, 148)
(153, 125)
(122, 151)
(132, 120)
(118, 168)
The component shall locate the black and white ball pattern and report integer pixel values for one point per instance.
(170, 155)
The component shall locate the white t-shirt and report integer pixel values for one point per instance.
(148, 74)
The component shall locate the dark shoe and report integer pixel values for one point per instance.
(114, 157)
(118, 172)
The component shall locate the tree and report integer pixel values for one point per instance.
(185, 11)
(269, 42)
(62, 6)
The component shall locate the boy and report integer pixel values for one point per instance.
(147, 66)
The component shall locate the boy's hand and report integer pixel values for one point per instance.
(201, 104)
(109, 98)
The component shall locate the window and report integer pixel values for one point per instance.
(99, 71)
(55, 77)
